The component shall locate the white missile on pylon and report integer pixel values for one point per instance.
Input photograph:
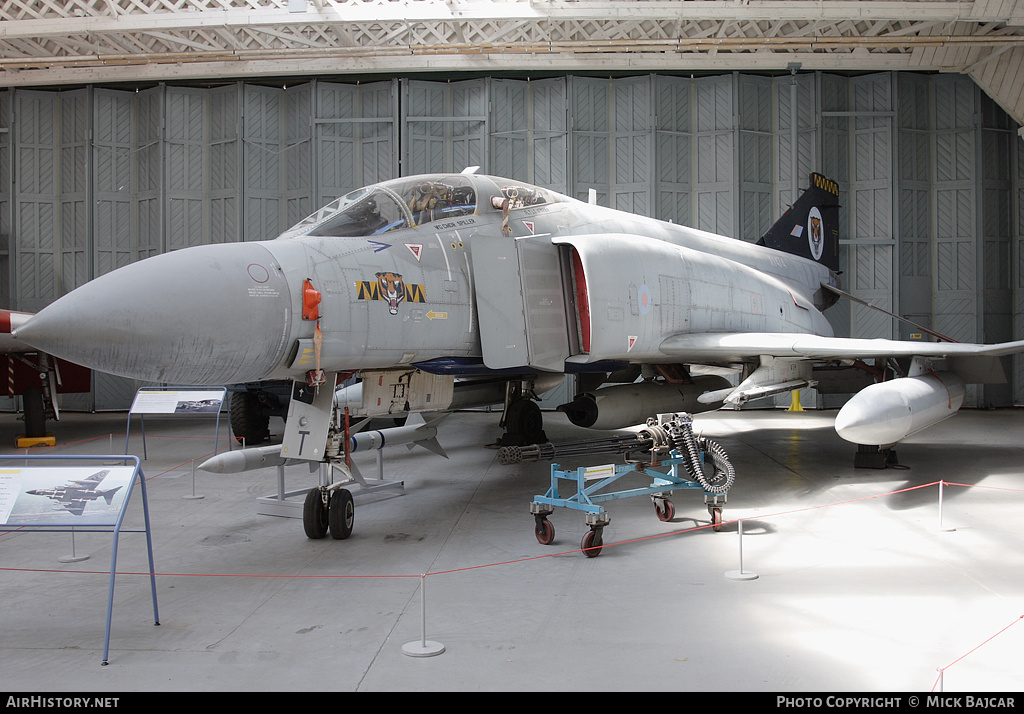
(887, 412)
(424, 435)
(259, 457)
(235, 462)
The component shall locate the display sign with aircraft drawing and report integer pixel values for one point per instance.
(65, 496)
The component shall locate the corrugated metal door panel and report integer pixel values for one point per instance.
(795, 164)
(872, 249)
(590, 138)
(224, 163)
(114, 242)
(148, 152)
(298, 154)
(36, 222)
(76, 233)
(550, 150)
(715, 146)
(446, 126)
(469, 137)
(424, 148)
(673, 140)
(632, 145)
(6, 231)
(185, 167)
(957, 296)
(263, 143)
(510, 123)
(755, 156)
(352, 149)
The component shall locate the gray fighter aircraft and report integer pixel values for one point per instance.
(76, 495)
(416, 282)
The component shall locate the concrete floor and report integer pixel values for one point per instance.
(866, 596)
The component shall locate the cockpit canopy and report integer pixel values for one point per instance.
(412, 201)
(391, 205)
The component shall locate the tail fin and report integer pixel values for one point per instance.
(810, 228)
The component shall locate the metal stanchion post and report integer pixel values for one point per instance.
(193, 497)
(423, 648)
(741, 574)
(941, 527)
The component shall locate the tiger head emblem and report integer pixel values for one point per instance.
(392, 289)
(814, 233)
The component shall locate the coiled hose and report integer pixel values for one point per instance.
(722, 472)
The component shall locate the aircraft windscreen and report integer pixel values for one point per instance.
(372, 212)
(338, 204)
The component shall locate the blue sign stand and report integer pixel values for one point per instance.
(79, 498)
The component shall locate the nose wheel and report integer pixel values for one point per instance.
(324, 512)
(341, 514)
(314, 514)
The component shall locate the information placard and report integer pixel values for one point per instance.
(63, 496)
(177, 402)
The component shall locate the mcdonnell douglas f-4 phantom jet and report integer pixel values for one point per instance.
(76, 495)
(418, 282)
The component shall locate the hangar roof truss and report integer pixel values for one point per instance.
(48, 42)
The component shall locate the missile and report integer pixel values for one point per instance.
(887, 412)
(259, 457)
(235, 462)
(424, 435)
(627, 404)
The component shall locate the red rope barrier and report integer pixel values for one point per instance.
(942, 670)
(548, 555)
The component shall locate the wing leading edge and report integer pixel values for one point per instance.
(729, 348)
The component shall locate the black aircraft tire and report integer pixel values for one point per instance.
(314, 515)
(341, 514)
(35, 413)
(248, 420)
(525, 423)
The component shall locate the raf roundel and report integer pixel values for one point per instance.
(644, 299)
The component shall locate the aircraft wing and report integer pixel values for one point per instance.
(725, 348)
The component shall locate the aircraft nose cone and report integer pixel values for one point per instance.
(211, 314)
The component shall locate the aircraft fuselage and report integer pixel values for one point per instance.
(394, 280)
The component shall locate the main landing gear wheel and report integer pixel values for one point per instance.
(341, 514)
(592, 543)
(544, 531)
(247, 418)
(35, 412)
(665, 510)
(716, 519)
(524, 424)
(314, 515)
